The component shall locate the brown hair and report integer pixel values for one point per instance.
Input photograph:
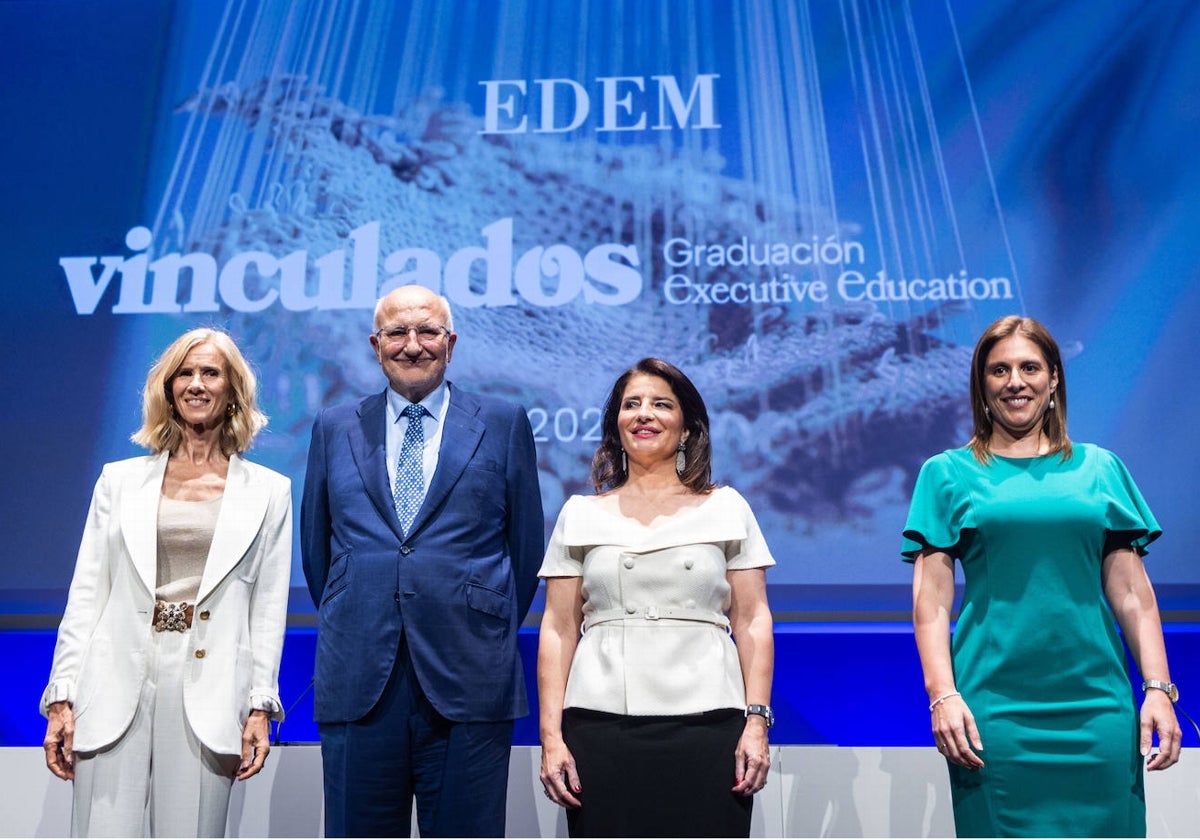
(608, 469)
(1054, 422)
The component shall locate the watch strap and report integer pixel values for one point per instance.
(1170, 688)
(763, 711)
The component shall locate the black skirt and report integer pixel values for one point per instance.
(668, 776)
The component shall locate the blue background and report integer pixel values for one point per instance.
(1052, 143)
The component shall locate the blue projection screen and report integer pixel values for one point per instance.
(813, 208)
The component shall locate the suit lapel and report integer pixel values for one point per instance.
(139, 518)
(368, 443)
(242, 512)
(460, 439)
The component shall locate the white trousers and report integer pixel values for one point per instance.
(158, 776)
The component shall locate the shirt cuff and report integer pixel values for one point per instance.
(267, 703)
(56, 692)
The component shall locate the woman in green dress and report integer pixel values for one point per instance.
(1031, 705)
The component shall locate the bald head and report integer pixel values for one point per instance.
(413, 340)
(413, 295)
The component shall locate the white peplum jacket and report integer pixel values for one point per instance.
(655, 636)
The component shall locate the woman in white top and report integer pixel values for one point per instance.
(656, 651)
(166, 668)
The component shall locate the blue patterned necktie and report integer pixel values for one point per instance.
(409, 490)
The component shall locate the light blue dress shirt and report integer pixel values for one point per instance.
(436, 403)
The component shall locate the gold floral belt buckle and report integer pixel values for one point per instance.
(173, 617)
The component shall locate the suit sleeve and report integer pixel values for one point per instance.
(268, 603)
(314, 515)
(89, 593)
(526, 528)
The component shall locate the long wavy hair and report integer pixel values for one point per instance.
(608, 467)
(1054, 421)
(162, 430)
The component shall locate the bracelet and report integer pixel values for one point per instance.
(943, 698)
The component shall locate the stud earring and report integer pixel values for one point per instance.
(680, 459)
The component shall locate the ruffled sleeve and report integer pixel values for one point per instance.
(563, 559)
(1128, 519)
(940, 509)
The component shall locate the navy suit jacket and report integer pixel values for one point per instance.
(457, 587)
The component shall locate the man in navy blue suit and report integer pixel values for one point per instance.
(421, 531)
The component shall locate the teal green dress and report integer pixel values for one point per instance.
(1036, 652)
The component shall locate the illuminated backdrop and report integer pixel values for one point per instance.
(813, 208)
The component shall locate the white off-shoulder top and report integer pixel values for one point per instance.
(655, 601)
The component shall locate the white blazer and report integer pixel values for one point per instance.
(100, 659)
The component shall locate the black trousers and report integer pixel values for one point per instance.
(669, 776)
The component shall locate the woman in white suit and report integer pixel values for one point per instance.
(165, 674)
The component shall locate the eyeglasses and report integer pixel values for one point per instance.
(428, 334)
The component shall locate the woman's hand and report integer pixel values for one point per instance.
(955, 733)
(752, 759)
(1158, 715)
(559, 776)
(753, 634)
(1131, 596)
(256, 743)
(60, 740)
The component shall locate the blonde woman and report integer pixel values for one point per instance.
(165, 672)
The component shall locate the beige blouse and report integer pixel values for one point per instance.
(185, 534)
(655, 602)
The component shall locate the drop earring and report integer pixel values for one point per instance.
(1052, 403)
(624, 462)
(680, 459)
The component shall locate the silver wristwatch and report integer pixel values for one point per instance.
(1169, 687)
(763, 711)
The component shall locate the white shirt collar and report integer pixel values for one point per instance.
(434, 402)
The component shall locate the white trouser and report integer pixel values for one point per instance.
(157, 762)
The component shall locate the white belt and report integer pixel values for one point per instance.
(653, 613)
